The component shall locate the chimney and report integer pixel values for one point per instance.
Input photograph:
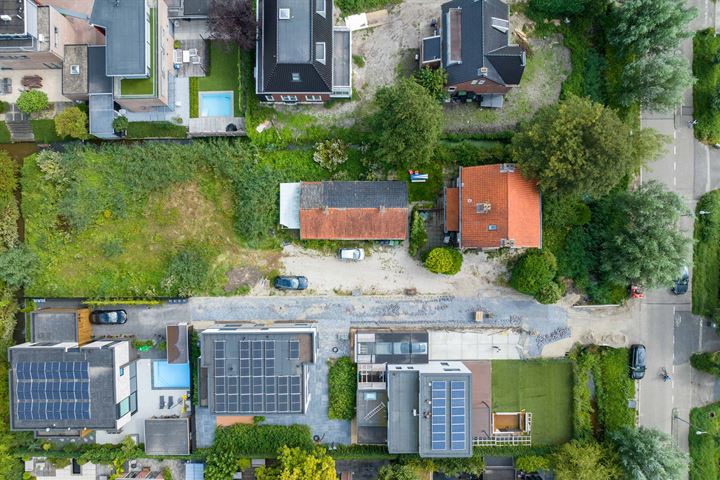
(326, 210)
(382, 208)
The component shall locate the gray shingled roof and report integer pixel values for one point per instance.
(124, 23)
(388, 194)
(283, 49)
(482, 47)
(402, 401)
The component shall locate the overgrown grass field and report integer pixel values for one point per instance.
(109, 221)
(541, 387)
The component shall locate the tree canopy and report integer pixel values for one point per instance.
(298, 464)
(655, 81)
(637, 236)
(646, 27)
(233, 21)
(646, 454)
(578, 147)
(72, 122)
(586, 461)
(405, 126)
(398, 472)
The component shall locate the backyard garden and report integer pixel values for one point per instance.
(224, 76)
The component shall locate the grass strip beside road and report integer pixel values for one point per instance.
(706, 256)
(704, 453)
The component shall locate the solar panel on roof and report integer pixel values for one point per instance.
(294, 350)
(457, 417)
(44, 392)
(438, 395)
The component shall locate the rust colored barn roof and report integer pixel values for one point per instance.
(497, 203)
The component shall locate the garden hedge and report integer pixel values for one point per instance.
(342, 386)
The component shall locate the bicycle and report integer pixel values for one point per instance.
(665, 375)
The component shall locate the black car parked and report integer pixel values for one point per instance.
(291, 283)
(637, 361)
(108, 317)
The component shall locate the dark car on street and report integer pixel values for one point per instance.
(637, 361)
(285, 282)
(108, 317)
(682, 283)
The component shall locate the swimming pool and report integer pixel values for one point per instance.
(170, 375)
(216, 104)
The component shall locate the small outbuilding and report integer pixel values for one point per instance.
(167, 436)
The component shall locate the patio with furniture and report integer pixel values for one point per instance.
(191, 59)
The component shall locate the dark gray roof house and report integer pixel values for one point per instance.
(257, 371)
(301, 56)
(127, 36)
(60, 387)
(475, 49)
(429, 409)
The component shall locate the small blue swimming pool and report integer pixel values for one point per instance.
(170, 375)
(216, 104)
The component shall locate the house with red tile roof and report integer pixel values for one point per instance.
(494, 206)
(345, 210)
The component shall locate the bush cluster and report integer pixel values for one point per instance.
(444, 260)
(534, 273)
(707, 362)
(31, 101)
(342, 386)
(418, 234)
(187, 272)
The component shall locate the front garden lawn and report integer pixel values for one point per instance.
(144, 86)
(704, 453)
(540, 387)
(44, 131)
(706, 256)
(155, 130)
(224, 75)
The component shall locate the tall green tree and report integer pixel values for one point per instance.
(578, 147)
(646, 27)
(405, 125)
(298, 464)
(637, 236)
(657, 82)
(646, 454)
(586, 461)
(72, 122)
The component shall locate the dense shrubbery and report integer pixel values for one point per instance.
(586, 461)
(232, 443)
(296, 463)
(18, 266)
(532, 463)
(330, 154)
(649, 453)
(706, 69)
(418, 234)
(72, 122)
(444, 260)
(706, 256)
(31, 101)
(534, 273)
(707, 362)
(342, 386)
(433, 80)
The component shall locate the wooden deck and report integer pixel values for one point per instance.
(216, 126)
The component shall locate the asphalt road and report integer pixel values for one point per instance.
(666, 325)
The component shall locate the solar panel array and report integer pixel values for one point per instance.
(52, 390)
(446, 407)
(257, 389)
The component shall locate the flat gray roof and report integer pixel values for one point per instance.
(256, 372)
(341, 58)
(167, 436)
(54, 326)
(103, 412)
(101, 114)
(98, 81)
(125, 31)
(16, 12)
(294, 34)
(402, 402)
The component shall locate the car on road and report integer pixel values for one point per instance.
(108, 317)
(291, 282)
(637, 361)
(351, 254)
(682, 283)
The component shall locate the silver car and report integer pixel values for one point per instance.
(351, 254)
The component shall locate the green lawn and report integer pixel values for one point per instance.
(144, 86)
(224, 75)
(541, 387)
(704, 453)
(155, 130)
(4, 133)
(706, 256)
(44, 131)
